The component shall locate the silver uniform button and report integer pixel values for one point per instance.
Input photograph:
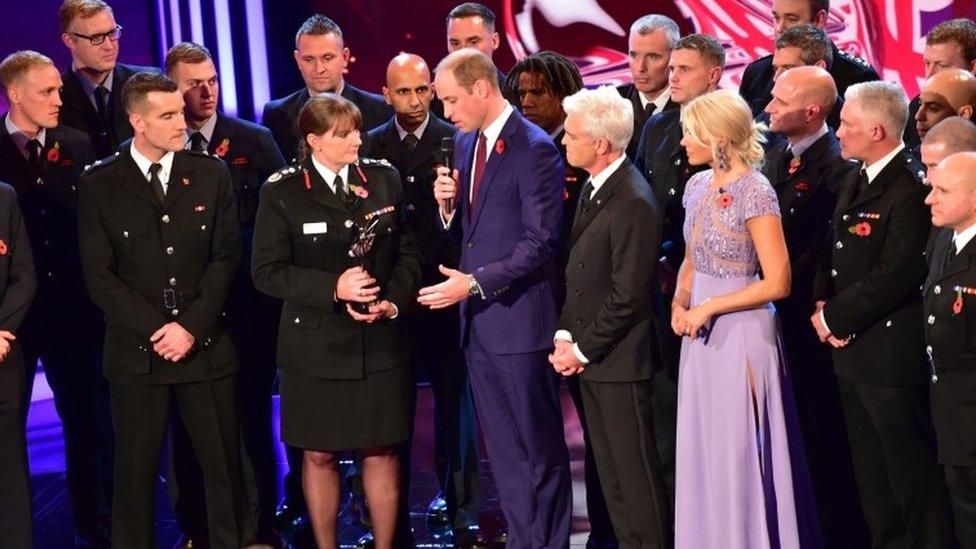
(172, 281)
(833, 273)
(165, 218)
(937, 289)
(888, 324)
(410, 179)
(931, 319)
(928, 349)
(846, 217)
(169, 250)
(839, 245)
(298, 320)
(671, 191)
(176, 312)
(348, 223)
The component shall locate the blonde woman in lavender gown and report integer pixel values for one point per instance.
(741, 481)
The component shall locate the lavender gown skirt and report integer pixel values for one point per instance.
(742, 481)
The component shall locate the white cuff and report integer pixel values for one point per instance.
(564, 335)
(823, 320)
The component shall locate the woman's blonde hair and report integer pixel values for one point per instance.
(720, 116)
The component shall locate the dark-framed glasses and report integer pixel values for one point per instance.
(98, 39)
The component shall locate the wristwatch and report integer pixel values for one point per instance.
(473, 287)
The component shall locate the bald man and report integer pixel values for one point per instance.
(950, 310)
(950, 92)
(804, 170)
(411, 141)
(952, 135)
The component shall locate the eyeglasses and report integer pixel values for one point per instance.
(98, 39)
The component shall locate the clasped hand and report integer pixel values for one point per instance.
(172, 342)
(689, 322)
(355, 285)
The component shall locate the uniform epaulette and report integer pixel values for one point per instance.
(375, 163)
(101, 163)
(203, 154)
(914, 166)
(284, 173)
(855, 59)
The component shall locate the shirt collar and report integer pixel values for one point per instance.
(660, 102)
(555, 133)
(963, 238)
(329, 176)
(418, 132)
(144, 163)
(802, 145)
(90, 86)
(20, 138)
(599, 179)
(337, 91)
(874, 169)
(206, 131)
(494, 129)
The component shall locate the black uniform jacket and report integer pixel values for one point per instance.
(872, 281)
(417, 175)
(251, 155)
(610, 276)
(79, 112)
(950, 333)
(663, 162)
(17, 286)
(147, 264)
(281, 115)
(629, 92)
(49, 201)
(757, 79)
(807, 199)
(301, 246)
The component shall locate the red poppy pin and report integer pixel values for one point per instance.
(957, 305)
(54, 153)
(500, 146)
(3, 247)
(794, 165)
(724, 200)
(186, 181)
(359, 191)
(222, 149)
(239, 161)
(802, 186)
(200, 208)
(861, 229)
(565, 194)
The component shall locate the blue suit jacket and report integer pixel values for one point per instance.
(509, 243)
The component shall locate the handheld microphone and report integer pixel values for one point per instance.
(447, 157)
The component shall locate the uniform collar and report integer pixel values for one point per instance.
(20, 138)
(802, 145)
(599, 179)
(144, 163)
(207, 131)
(418, 132)
(963, 238)
(874, 169)
(330, 176)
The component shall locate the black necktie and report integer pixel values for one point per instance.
(34, 153)
(649, 109)
(101, 104)
(155, 182)
(410, 142)
(785, 165)
(950, 253)
(343, 193)
(584, 200)
(196, 142)
(862, 182)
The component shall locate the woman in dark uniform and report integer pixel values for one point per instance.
(342, 346)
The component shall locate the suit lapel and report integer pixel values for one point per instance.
(597, 202)
(939, 250)
(320, 192)
(72, 88)
(180, 180)
(957, 264)
(221, 131)
(425, 147)
(876, 188)
(495, 160)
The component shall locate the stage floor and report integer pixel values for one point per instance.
(52, 519)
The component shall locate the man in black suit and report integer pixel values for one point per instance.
(696, 67)
(649, 46)
(251, 156)
(18, 283)
(411, 142)
(869, 310)
(42, 161)
(322, 58)
(606, 326)
(847, 69)
(160, 243)
(949, 45)
(950, 306)
(950, 92)
(952, 135)
(93, 84)
(804, 169)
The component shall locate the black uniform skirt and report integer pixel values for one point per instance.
(345, 414)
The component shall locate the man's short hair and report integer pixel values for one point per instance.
(469, 65)
(813, 43)
(473, 9)
(142, 84)
(318, 25)
(955, 133)
(19, 63)
(656, 22)
(604, 115)
(73, 9)
(185, 52)
(561, 75)
(708, 47)
(819, 5)
(884, 100)
(961, 31)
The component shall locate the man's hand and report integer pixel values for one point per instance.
(445, 189)
(822, 332)
(453, 290)
(355, 284)
(564, 360)
(838, 343)
(377, 311)
(5, 339)
(172, 342)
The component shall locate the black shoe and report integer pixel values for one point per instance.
(469, 538)
(437, 511)
(289, 517)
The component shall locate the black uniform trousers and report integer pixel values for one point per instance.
(15, 499)
(961, 482)
(619, 417)
(209, 413)
(892, 443)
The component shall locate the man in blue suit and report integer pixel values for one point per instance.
(507, 190)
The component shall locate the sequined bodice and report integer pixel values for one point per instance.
(715, 222)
